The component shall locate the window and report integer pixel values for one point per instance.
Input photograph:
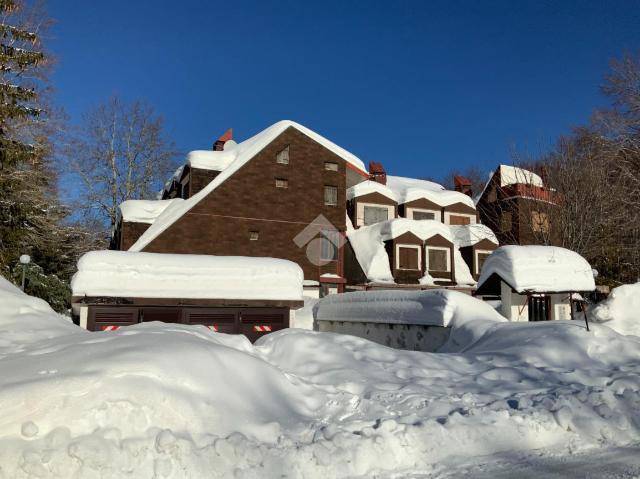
(505, 221)
(283, 156)
(438, 259)
(423, 215)
(408, 257)
(329, 245)
(375, 214)
(459, 220)
(539, 222)
(282, 183)
(331, 195)
(481, 257)
(539, 308)
(330, 166)
(254, 235)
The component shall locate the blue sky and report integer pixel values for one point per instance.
(421, 86)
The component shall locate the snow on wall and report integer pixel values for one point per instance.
(468, 235)
(242, 153)
(144, 211)
(155, 275)
(539, 269)
(621, 310)
(409, 189)
(367, 187)
(436, 307)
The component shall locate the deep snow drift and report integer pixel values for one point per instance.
(621, 310)
(161, 400)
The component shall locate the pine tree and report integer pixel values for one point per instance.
(32, 220)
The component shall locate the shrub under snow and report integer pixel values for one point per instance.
(621, 310)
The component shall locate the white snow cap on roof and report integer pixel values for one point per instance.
(539, 269)
(144, 211)
(368, 245)
(468, 235)
(156, 275)
(367, 187)
(409, 189)
(437, 307)
(512, 175)
(241, 153)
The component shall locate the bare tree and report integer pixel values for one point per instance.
(121, 153)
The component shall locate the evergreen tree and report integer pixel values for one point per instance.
(32, 221)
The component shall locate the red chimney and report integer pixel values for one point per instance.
(219, 143)
(463, 185)
(377, 173)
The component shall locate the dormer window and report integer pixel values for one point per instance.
(282, 157)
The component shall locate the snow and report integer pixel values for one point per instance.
(512, 175)
(368, 187)
(174, 401)
(436, 307)
(469, 235)
(176, 176)
(211, 160)
(303, 317)
(621, 310)
(368, 245)
(155, 275)
(144, 211)
(409, 189)
(539, 269)
(242, 153)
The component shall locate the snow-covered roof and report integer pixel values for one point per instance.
(409, 189)
(241, 154)
(468, 235)
(512, 175)
(367, 187)
(539, 269)
(368, 245)
(157, 275)
(144, 211)
(437, 307)
(213, 160)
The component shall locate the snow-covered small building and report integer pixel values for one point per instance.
(230, 294)
(415, 320)
(535, 283)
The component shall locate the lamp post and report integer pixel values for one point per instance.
(25, 259)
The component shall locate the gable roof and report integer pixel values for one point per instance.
(241, 154)
(468, 235)
(538, 269)
(409, 189)
(367, 187)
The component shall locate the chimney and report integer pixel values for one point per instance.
(377, 173)
(219, 143)
(463, 185)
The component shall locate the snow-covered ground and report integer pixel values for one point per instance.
(621, 310)
(163, 400)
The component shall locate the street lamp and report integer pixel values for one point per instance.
(25, 259)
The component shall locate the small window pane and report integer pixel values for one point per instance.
(254, 235)
(330, 195)
(459, 220)
(329, 248)
(282, 183)
(375, 214)
(540, 222)
(408, 258)
(482, 257)
(438, 260)
(283, 156)
(330, 166)
(424, 215)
